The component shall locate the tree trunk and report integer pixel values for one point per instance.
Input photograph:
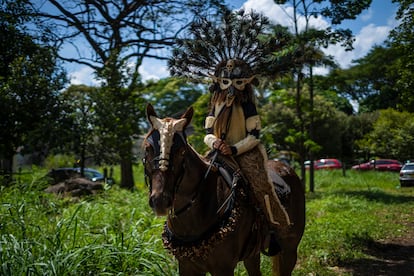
(311, 133)
(127, 177)
(7, 169)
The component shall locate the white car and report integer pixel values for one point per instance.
(407, 175)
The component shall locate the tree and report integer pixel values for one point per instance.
(279, 119)
(402, 38)
(120, 34)
(172, 96)
(372, 81)
(392, 136)
(30, 80)
(306, 50)
(81, 102)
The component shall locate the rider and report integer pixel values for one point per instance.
(233, 127)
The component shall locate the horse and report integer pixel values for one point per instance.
(210, 225)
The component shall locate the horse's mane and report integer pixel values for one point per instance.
(145, 143)
(202, 158)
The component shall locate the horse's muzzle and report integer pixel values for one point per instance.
(161, 203)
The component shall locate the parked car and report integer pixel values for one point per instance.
(61, 174)
(407, 175)
(380, 165)
(326, 163)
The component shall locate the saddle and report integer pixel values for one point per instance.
(233, 176)
(230, 171)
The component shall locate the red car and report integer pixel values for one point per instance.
(327, 163)
(380, 165)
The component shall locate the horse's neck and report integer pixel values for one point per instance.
(195, 171)
(196, 198)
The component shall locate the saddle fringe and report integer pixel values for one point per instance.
(252, 164)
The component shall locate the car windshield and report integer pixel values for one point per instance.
(409, 167)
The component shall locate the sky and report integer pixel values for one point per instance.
(370, 28)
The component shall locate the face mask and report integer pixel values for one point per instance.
(225, 83)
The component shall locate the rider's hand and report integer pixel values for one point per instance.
(222, 146)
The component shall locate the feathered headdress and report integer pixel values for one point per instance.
(234, 47)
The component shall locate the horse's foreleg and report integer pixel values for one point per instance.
(287, 262)
(188, 270)
(252, 265)
(276, 265)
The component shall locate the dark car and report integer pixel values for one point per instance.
(61, 174)
(407, 175)
(380, 165)
(326, 163)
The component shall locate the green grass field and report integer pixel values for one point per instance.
(116, 233)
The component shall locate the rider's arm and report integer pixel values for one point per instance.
(253, 127)
(210, 138)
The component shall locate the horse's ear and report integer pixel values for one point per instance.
(150, 112)
(188, 115)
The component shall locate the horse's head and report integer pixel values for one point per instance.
(165, 146)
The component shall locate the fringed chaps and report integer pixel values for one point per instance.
(253, 167)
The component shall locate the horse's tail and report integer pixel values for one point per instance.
(276, 265)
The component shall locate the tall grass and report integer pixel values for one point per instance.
(115, 233)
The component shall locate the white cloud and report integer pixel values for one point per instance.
(367, 37)
(367, 15)
(83, 75)
(282, 14)
(153, 69)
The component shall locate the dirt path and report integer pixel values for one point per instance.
(388, 257)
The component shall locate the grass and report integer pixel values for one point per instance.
(115, 233)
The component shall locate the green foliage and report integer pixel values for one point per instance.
(349, 213)
(200, 112)
(115, 53)
(392, 135)
(30, 80)
(281, 124)
(172, 96)
(371, 82)
(402, 38)
(59, 161)
(115, 233)
(110, 234)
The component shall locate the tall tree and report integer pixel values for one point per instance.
(402, 38)
(119, 35)
(372, 81)
(81, 101)
(30, 80)
(307, 44)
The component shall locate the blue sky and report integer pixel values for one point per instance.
(370, 28)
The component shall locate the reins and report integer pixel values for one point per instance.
(224, 210)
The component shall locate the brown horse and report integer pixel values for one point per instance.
(212, 225)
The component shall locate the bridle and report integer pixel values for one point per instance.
(155, 163)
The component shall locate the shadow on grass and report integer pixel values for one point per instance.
(380, 196)
(384, 258)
